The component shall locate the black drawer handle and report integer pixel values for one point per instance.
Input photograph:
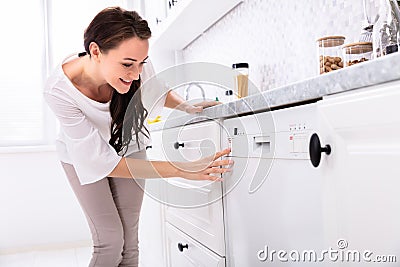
(316, 150)
(181, 247)
(177, 145)
(147, 147)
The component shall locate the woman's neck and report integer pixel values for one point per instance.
(85, 76)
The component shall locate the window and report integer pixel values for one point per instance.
(22, 72)
(35, 38)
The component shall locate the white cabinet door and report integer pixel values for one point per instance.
(151, 233)
(183, 251)
(152, 217)
(155, 12)
(195, 207)
(155, 151)
(362, 173)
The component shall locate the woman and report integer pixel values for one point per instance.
(89, 94)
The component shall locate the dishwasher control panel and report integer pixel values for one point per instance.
(298, 137)
(283, 133)
(299, 143)
(294, 127)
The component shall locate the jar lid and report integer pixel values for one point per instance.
(240, 65)
(358, 48)
(330, 41)
(331, 37)
(391, 48)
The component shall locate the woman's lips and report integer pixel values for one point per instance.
(126, 82)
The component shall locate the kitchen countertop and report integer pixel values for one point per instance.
(369, 73)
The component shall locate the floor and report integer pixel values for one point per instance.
(77, 257)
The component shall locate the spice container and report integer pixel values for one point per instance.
(329, 53)
(241, 79)
(356, 53)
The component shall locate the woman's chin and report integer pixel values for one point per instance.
(122, 90)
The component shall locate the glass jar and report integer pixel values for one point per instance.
(241, 79)
(386, 30)
(356, 53)
(330, 53)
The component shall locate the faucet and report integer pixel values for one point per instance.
(186, 92)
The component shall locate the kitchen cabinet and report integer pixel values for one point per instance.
(195, 207)
(288, 191)
(361, 174)
(152, 230)
(152, 217)
(155, 12)
(186, 252)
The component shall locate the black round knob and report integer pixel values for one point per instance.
(316, 150)
(181, 246)
(177, 145)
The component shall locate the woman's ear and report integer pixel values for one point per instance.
(94, 51)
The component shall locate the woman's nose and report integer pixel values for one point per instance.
(134, 74)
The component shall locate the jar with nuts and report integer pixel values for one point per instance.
(330, 53)
(356, 53)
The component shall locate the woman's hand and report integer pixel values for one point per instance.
(204, 168)
(174, 100)
(198, 107)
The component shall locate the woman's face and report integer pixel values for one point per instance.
(123, 64)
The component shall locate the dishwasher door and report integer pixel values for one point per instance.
(272, 198)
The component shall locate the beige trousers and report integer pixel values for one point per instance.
(112, 207)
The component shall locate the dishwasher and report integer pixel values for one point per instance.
(273, 197)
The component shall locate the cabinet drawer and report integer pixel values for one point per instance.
(195, 207)
(185, 143)
(183, 251)
(191, 142)
(204, 223)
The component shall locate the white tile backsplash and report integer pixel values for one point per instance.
(277, 38)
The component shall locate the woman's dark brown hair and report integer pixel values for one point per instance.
(108, 29)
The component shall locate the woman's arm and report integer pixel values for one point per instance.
(198, 170)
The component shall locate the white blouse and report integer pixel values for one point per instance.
(85, 124)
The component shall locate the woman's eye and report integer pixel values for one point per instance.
(144, 62)
(127, 65)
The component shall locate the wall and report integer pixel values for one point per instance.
(38, 208)
(276, 38)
